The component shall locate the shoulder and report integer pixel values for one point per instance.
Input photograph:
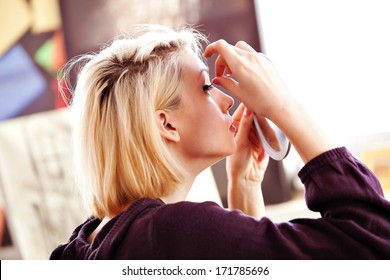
(208, 216)
(192, 212)
(198, 207)
(188, 230)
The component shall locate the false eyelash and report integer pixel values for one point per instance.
(207, 87)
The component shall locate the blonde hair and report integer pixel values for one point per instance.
(119, 155)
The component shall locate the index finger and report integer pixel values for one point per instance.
(237, 115)
(227, 55)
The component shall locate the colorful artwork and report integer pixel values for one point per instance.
(32, 51)
(20, 82)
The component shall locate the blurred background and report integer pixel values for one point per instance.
(334, 56)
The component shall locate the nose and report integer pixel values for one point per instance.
(225, 102)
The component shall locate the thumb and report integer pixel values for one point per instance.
(244, 127)
(229, 84)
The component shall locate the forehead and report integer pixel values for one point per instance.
(191, 63)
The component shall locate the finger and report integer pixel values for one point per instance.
(217, 47)
(228, 71)
(245, 46)
(228, 84)
(223, 48)
(244, 127)
(220, 66)
(237, 115)
(227, 55)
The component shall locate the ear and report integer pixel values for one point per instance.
(166, 126)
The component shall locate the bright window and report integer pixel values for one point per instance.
(335, 57)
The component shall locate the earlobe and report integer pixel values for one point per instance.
(166, 126)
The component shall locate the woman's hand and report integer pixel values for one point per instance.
(246, 167)
(258, 85)
(256, 82)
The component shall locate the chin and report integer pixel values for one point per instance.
(227, 153)
(218, 157)
(220, 154)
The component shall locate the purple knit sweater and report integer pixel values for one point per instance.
(355, 224)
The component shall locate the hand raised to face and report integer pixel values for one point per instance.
(249, 76)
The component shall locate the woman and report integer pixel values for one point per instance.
(149, 120)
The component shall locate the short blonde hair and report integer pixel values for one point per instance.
(119, 155)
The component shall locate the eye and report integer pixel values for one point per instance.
(207, 87)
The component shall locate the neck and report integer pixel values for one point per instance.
(181, 192)
(193, 167)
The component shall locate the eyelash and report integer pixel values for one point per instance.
(207, 87)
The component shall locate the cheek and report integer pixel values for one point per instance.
(199, 129)
(208, 123)
(210, 132)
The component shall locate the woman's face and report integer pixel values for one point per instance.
(203, 120)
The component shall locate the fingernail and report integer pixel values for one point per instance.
(216, 81)
(247, 112)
